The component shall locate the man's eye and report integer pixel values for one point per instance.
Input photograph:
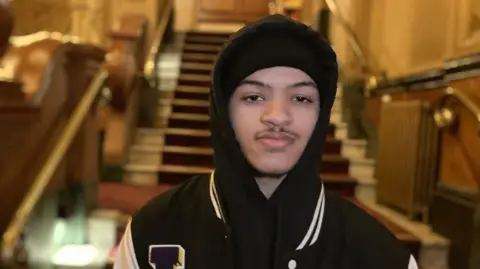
(302, 99)
(253, 98)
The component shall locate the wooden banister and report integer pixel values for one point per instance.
(44, 176)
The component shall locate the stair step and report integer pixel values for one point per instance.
(188, 132)
(190, 106)
(179, 120)
(198, 58)
(192, 92)
(182, 135)
(201, 138)
(203, 156)
(202, 121)
(189, 116)
(206, 49)
(189, 102)
(208, 34)
(354, 148)
(193, 89)
(196, 68)
(194, 80)
(198, 39)
(175, 174)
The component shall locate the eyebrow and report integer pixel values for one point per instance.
(265, 85)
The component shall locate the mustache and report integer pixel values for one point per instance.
(272, 134)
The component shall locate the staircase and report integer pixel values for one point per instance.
(178, 146)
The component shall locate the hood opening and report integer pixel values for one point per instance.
(228, 155)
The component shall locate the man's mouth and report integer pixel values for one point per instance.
(275, 141)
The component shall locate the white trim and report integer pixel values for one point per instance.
(214, 196)
(320, 219)
(315, 224)
(412, 264)
(125, 258)
(317, 219)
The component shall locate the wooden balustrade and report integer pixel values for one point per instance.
(46, 76)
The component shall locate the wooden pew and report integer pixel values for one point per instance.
(453, 180)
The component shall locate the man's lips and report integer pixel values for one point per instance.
(275, 140)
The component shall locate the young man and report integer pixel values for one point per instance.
(264, 206)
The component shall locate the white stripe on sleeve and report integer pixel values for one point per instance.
(125, 257)
(412, 264)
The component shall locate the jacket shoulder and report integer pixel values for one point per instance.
(371, 241)
(167, 209)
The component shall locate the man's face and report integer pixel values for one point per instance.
(273, 113)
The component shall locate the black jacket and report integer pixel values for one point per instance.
(224, 221)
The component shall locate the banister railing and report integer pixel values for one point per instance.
(446, 117)
(151, 60)
(43, 178)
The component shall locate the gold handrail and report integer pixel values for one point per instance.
(44, 176)
(445, 117)
(151, 60)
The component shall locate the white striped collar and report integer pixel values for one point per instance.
(315, 225)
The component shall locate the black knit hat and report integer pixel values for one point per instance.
(269, 50)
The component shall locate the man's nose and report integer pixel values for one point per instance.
(276, 113)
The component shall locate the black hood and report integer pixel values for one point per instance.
(289, 211)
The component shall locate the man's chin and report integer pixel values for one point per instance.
(272, 171)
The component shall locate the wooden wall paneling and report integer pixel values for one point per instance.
(231, 10)
(41, 15)
(457, 196)
(90, 20)
(400, 39)
(256, 7)
(453, 217)
(150, 9)
(459, 166)
(464, 28)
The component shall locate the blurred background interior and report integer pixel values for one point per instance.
(104, 104)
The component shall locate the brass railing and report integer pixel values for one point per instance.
(446, 117)
(15, 228)
(151, 60)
